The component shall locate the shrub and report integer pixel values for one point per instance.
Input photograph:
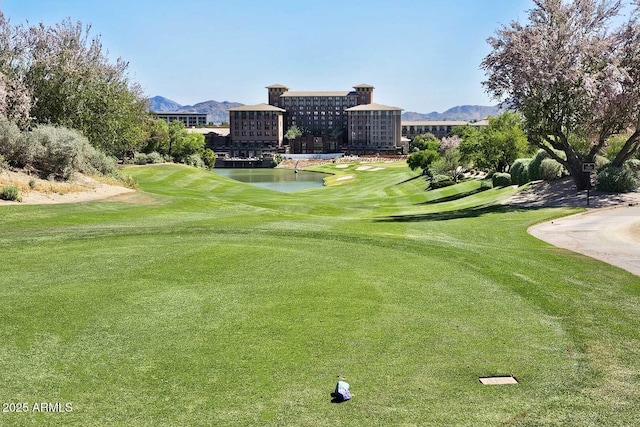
(155, 157)
(550, 169)
(99, 162)
(501, 179)
(634, 164)
(9, 192)
(618, 180)
(61, 152)
(194, 160)
(440, 181)
(520, 171)
(140, 159)
(3, 163)
(535, 167)
(15, 148)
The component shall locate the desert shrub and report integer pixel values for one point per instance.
(9, 192)
(99, 162)
(194, 160)
(535, 167)
(440, 181)
(601, 161)
(140, 159)
(501, 179)
(550, 169)
(634, 164)
(155, 157)
(617, 179)
(3, 163)
(520, 171)
(62, 151)
(15, 148)
(126, 180)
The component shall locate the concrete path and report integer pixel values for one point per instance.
(611, 235)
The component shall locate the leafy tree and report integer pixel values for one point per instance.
(447, 164)
(571, 77)
(177, 134)
(209, 158)
(422, 160)
(58, 75)
(427, 141)
(15, 99)
(293, 132)
(497, 145)
(157, 136)
(191, 144)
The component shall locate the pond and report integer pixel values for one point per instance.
(283, 180)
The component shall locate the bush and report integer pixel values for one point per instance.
(520, 171)
(9, 192)
(550, 170)
(440, 181)
(535, 167)
(501, 179)
(62, 151)
(16, 149)
(618, 180)
(194, 160)
(634, 164)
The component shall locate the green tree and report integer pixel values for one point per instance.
(209, 158)
(157, 136)
(422, 160)
(192, 143)
(447, 164)
(177, 133)
(293, 132)
(497, 145)
(427, 141)
(72, 83)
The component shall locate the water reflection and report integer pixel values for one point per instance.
(283, 180)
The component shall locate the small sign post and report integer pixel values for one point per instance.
(588, 168)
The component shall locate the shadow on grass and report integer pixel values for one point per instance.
(473, 212)
(456, 196)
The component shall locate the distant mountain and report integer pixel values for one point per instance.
(461, 112)
(160, 104)
(216, 111)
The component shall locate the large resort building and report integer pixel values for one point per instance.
(331, 122)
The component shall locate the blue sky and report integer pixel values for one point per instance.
(421, 55)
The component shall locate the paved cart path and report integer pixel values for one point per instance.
(611, 235)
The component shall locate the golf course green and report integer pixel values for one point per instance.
(200, 300)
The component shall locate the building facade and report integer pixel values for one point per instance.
(323, 118)
(256, 130)
(374, 129)
(438, 128)
(189, 119)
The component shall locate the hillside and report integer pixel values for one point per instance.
(460, 112)
(216, 111)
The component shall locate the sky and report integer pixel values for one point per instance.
(420, 55)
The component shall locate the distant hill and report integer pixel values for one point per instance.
(216, 111)
(461, 112)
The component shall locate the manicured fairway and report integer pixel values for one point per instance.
(203, 301)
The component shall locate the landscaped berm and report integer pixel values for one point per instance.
(211, 302)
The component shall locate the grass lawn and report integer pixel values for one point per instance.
(204, 301)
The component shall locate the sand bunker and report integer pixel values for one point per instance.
(342, 178)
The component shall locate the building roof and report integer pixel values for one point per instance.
(320, 93)
(436, 123)
(373, 107)
(257, 107)
(277, 86)
(179, 113)
(364, 85)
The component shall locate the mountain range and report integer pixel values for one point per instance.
(217, 111)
